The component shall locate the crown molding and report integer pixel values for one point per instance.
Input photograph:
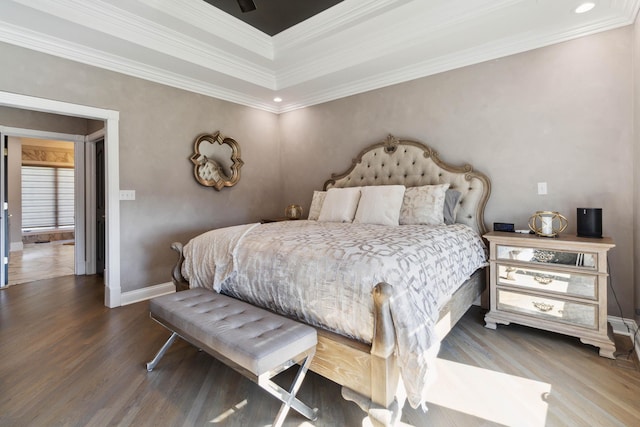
(217, 23)
(360, 45)
(330, 21)
(100, 16)
(64, 49)
(319, 60)
(475, 55)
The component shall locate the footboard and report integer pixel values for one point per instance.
(370, 371)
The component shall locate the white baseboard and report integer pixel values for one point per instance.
(619, 326)
(146, 293)
(111, 295)
(16, 246)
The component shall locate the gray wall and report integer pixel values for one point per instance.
(560, 115)
(158, 125)
(35, 120)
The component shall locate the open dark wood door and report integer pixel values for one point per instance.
(100, 208)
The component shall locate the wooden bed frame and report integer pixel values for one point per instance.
(369, 374)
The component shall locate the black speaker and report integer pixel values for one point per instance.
(589, 222)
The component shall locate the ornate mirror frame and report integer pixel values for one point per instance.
(209, 172)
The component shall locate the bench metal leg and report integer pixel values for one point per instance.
(289, 398)
(161, 352)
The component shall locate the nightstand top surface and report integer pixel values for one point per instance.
(562, 239)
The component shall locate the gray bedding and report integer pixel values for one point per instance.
(323, 273)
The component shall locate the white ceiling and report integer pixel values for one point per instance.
(353, 47)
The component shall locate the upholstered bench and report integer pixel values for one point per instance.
(257, 343)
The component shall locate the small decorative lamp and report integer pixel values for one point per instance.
(547, 223)
(293, 212)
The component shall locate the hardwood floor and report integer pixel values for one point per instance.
(66, 360)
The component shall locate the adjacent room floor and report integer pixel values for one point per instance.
(66, 360)
(39, 261)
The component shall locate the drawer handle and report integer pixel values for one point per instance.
(543, 280)
(544, 307)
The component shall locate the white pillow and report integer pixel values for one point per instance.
(424, 205)
(380, 204)
(340, 205)
(316, 205)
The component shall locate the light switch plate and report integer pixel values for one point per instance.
(127, 194)
(542, 188)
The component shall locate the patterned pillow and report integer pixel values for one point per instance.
(316, 205)
(424, 205)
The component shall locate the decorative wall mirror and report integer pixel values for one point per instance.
(216, 161)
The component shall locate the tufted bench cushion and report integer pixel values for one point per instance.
(255, 342)
(256, 339)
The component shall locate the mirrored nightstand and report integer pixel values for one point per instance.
(557, 284)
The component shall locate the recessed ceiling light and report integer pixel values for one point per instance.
(585, 7)
(277, 99)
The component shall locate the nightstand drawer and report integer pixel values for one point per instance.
(586, 260)
(561, 282)
(556, 310)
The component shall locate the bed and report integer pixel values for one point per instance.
(372, 351)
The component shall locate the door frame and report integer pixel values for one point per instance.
(113, 291)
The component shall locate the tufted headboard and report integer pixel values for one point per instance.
(413, 164)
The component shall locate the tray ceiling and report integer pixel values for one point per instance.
(274, 16)
(352, 47)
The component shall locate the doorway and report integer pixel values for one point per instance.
(41, 196)
(112, 296)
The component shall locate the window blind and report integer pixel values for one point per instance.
(47, 197)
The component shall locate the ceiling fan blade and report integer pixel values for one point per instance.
(246, 5)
